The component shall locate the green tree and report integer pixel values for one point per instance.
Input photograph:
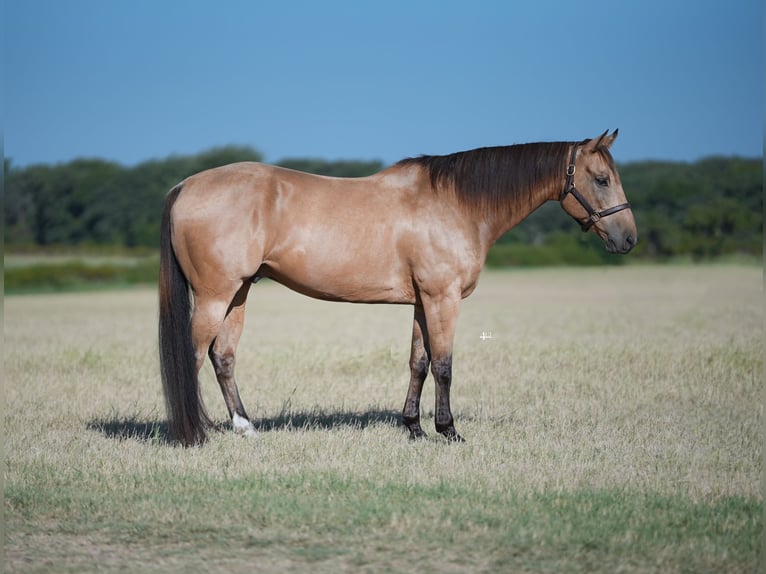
(704, 209)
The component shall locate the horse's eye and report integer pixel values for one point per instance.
(602, 181)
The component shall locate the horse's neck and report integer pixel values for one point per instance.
(519, 208)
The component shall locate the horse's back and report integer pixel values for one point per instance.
(331, 238)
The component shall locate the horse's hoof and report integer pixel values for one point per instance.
(451, 435)
(243, 427)
(417, 434)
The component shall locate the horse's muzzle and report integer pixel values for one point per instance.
(621, 245)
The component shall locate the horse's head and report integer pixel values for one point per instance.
(593, 194)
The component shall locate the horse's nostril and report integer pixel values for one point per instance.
(630, 241)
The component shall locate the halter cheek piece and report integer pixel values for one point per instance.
(569, 187)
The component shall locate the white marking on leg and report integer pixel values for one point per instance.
(243, 426)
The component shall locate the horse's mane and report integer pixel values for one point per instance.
(488, 178)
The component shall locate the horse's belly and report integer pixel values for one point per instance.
(335, 277)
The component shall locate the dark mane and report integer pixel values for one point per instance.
(485, 179)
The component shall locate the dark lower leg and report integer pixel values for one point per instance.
(224, 372)
(418, 373)
(411, 412)
(445, 424)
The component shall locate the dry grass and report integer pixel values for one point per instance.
(613, 423)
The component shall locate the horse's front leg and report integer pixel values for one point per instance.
(418, 372)
(441, 319)
(445, 424)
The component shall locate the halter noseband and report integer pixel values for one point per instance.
(569, 187)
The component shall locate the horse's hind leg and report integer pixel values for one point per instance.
(223, 356)
(209, 322)
(418, 372)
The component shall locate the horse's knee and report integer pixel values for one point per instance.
(419, 367)
(442, 370)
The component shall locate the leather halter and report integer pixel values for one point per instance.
(569, 187)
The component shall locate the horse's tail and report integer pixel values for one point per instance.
(186, 413)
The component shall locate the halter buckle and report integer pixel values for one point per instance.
(571, 170)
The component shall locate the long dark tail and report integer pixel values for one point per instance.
(186, 412)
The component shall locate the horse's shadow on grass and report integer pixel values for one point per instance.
(133, 428)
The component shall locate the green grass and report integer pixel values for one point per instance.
(325, 518)
(46, 273)
(613, 424)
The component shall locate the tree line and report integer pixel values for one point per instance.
(706, 209)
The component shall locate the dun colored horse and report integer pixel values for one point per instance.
(416, 233)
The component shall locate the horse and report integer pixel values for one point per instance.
(416, 233)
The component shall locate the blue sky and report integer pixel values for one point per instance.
(130, 80)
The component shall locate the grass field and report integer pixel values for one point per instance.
(613, 423)
(56, 272)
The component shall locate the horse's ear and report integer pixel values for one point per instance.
(604, 141)
(607, 141)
